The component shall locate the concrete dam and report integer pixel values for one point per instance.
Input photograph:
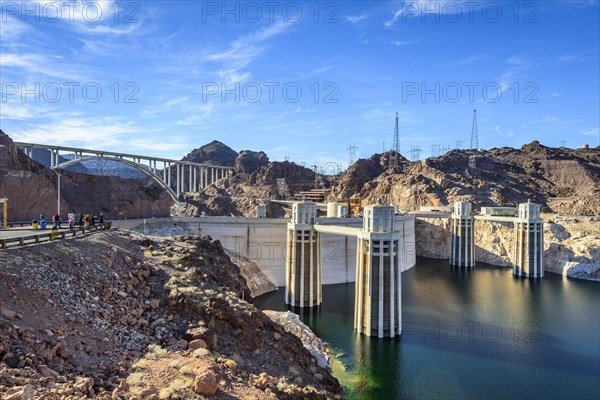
(305, 252)
(264, 241)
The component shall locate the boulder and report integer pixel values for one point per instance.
(20, 393)
(206, 383)
(8, 314)
(197, 344)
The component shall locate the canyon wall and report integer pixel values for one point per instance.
(571, 246)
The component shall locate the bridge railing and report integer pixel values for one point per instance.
(51, 235)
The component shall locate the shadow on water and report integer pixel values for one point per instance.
(466, 333)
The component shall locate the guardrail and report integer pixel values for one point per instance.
(51, 235)
(18, 223)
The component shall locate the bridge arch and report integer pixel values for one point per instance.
(133, 164)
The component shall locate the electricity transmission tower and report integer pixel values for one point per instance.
(351, 154)
(395, 147)
(415, 153)
(474, 135)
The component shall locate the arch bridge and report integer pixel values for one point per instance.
(174, 176)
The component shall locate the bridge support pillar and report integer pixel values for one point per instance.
(528, 260)
(303, 261)
(178, 177)
(462, 244)
(169, 175)
(378, 301)
(195, 187)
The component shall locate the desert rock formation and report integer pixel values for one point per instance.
(119, 315)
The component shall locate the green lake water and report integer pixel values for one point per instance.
(480, 334)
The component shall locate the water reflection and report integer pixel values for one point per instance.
(466, 334)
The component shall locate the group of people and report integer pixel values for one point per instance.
(75, 219)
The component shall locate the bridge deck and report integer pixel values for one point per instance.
(114, 154)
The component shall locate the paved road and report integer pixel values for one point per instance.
(21, 232)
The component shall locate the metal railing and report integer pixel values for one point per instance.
(51, 235)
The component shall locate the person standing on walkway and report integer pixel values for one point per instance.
(55, 220)
(101, 219)
(80, 221)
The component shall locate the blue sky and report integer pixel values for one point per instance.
(299, 79)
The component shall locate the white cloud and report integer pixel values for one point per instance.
(196, 114)
(574, 57)
(11, 29)
(591, 132)
(507, 134)
(244, 51)
(167, 106)
(70, 130)
(41, 64)
(512, 75)
(405, 42)
(355, 19)
(470, 60)
(304, 110)
(80, 11)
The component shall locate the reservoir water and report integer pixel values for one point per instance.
(479, 334)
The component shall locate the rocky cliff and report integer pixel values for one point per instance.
(561, 180)
(571, 245)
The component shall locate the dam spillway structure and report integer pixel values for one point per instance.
(377, 307)
(303, 275)
(529, 242)
(462, 244)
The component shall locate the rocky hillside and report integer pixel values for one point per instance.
(562, 180)
(255, 182)
(117, 315)
(32, 188)
(215, 153)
